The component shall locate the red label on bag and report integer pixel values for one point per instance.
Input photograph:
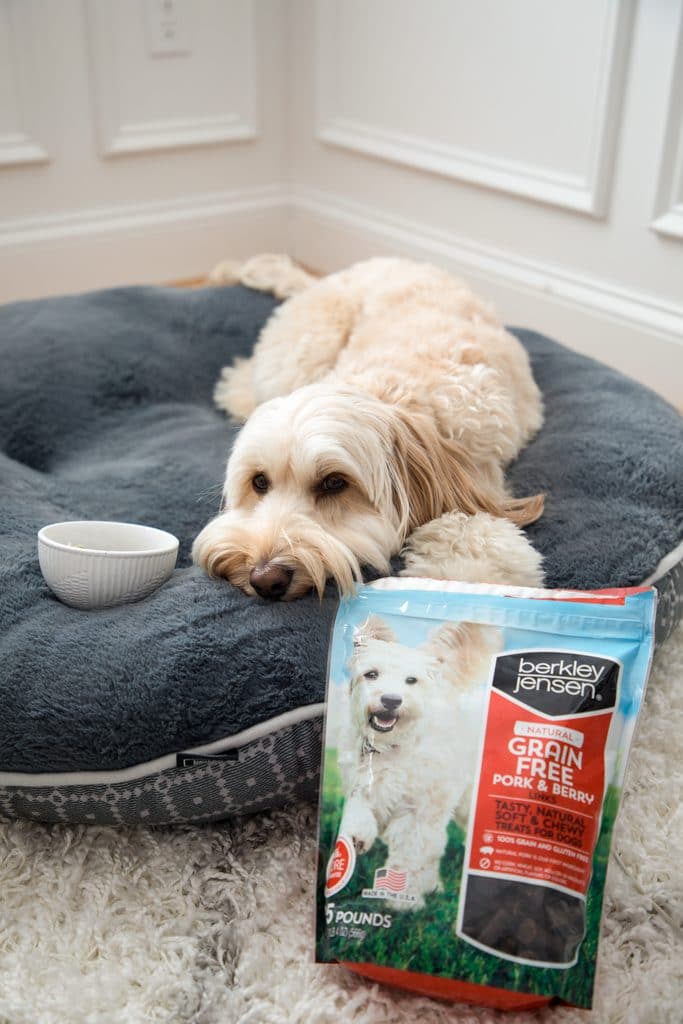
(539, 795)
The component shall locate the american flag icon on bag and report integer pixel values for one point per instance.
(387, 878)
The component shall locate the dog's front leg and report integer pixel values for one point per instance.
(417, 846)
(359, 823)
(478, 548)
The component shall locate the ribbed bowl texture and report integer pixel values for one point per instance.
(99, 564)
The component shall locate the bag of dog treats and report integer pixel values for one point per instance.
(475, 745)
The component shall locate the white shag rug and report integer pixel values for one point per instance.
(214, 924)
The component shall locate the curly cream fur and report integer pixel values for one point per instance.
(393, 375)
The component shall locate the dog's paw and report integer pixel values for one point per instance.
(362, 841)
(478, 548)
(359, 824)
(226, 272)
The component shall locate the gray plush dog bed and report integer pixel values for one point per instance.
(198, 702)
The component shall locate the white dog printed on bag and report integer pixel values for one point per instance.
(407, 760)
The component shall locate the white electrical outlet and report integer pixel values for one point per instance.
(167, 27)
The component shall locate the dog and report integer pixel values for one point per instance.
(379, 401)
(408, 754)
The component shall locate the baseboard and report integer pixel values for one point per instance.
(137, 244)
(638, 334)
(174, 240)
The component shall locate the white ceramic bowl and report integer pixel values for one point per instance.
(96, 565)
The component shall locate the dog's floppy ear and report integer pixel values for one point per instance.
(434, 474)
(373, 628)
(464, 651)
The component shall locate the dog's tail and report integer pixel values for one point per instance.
(267, 272)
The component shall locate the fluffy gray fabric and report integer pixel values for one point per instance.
(105, 413)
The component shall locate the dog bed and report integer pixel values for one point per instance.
(198, 703)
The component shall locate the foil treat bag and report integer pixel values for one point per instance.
(475, 746)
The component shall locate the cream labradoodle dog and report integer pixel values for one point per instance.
(382, 405)
(403, 774)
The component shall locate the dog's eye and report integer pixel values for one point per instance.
(372, 674)
(411, 680)
(332, 484)
(260, 483)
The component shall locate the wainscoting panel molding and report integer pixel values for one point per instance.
(144, 101)
(349, 40)
(21, 119)
(669, 208)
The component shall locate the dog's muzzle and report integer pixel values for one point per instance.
(384, 719)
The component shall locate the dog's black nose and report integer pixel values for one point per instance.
(391, 701)
(271, 580)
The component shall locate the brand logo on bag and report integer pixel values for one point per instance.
(573, 677)
(558, 683)
(340, 866)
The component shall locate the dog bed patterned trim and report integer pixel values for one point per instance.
(668, 580)
(268, 765)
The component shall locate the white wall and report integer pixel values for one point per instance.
(119, 166)
(536, 148)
